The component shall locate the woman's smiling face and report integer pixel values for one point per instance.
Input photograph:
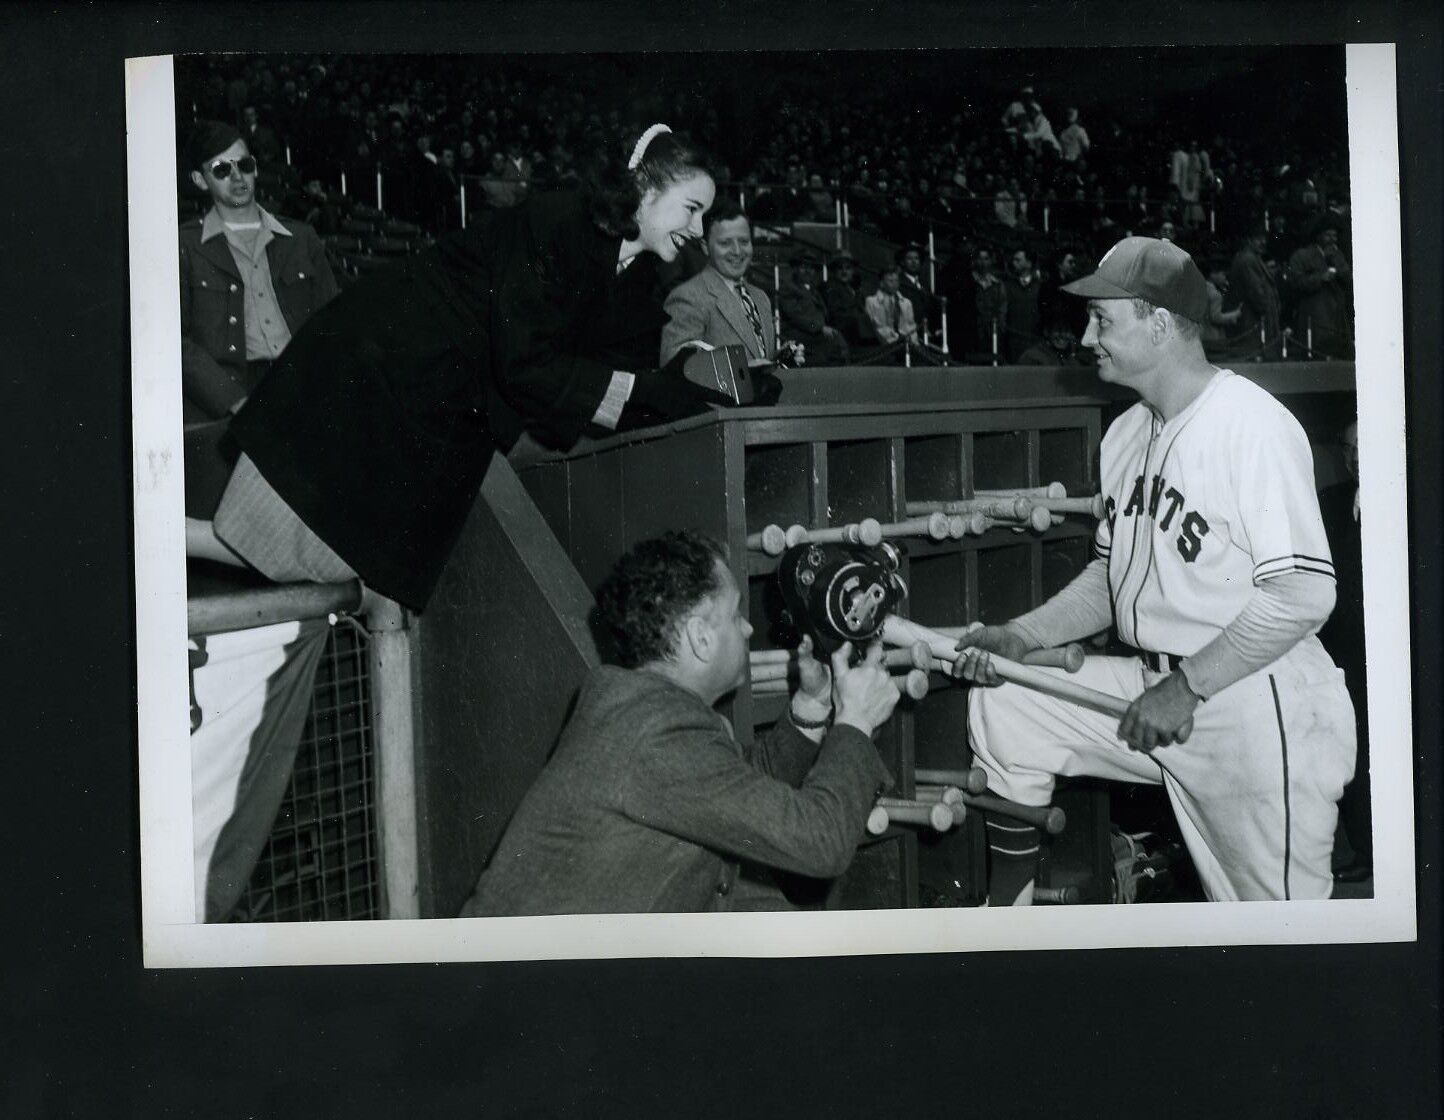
(670, 218)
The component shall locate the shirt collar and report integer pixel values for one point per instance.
(212, 224)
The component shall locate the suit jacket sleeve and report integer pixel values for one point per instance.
(691, 781)
(203, 381)
(686, 320)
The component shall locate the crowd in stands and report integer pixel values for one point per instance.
(1011, 198)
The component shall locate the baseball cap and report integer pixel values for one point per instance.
(1147, 268)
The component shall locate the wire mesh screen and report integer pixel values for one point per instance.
(322, 859)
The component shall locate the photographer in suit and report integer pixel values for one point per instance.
(650, 803)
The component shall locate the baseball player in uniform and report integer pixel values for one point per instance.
(1212, 563)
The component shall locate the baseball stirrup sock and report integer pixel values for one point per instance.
(1013, 858)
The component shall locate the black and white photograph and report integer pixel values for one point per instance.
(768, 503)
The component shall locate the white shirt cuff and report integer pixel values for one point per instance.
(609, 412)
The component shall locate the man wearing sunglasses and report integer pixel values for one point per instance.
(247, 280)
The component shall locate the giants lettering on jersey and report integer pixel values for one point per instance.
(1169, 502)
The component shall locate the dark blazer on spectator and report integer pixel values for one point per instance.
(378, 422)
(1258, 296)
(649, 803)
(707, 307)
(212, 309)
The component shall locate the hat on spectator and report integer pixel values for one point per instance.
(843, 258)
(1149, 269)
(208, 139)
(805, 260)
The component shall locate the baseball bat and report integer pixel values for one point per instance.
(1050, 818)
(915, 684)
(934, 525)
(867, 531)
(1008, 509)
(1052, 490)
(1062, 896)
(774, 672)
(1091, 506)
(1068, 657)
(877, 821)
(897, 631)
(770, 656)
(971, 780)
(984, 513)
(934, 813)
(950, 796)
(774, 540)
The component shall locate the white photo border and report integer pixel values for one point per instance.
(172, 937)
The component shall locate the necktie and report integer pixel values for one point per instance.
(896, 313)
(752, 317)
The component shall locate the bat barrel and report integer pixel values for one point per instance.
(1049, 818)
(933, 814)
(973, 780)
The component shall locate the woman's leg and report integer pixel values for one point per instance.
(202, 542)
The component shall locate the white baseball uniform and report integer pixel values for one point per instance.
(1200, 509)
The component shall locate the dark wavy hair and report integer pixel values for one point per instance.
(723, 210)
(614, 193)
(651, 589)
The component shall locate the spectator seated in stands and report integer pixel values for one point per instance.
(788, 203)
(1219, 328)
(658, 802)
(500, 189)
(248, 280)
(913, 285)
(1322, 282)
(1252, 282)
(823, 207)
(261, 141)
(845, 306)
(718, 306)
(1038, 132)
(891, 312)
(990, 302)
(1023, 318)
(1073, 141)
(804, 316)
(1058, 347)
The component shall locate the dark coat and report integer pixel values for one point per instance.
(1258, 295)
(212, 309)
(378, 422)
(649, 803)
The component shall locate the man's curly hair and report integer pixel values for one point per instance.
(651, 589)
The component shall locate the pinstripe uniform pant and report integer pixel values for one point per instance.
(1255, 788)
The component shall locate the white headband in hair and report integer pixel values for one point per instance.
(641, 149)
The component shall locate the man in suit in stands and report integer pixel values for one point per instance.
(804, 315)
(262, 141)
(845, 306)
(1023, 287)
(891, 312)
(248, 280)
(1251, 282)
(1322, 281)
(914, 287)
(719, 306)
